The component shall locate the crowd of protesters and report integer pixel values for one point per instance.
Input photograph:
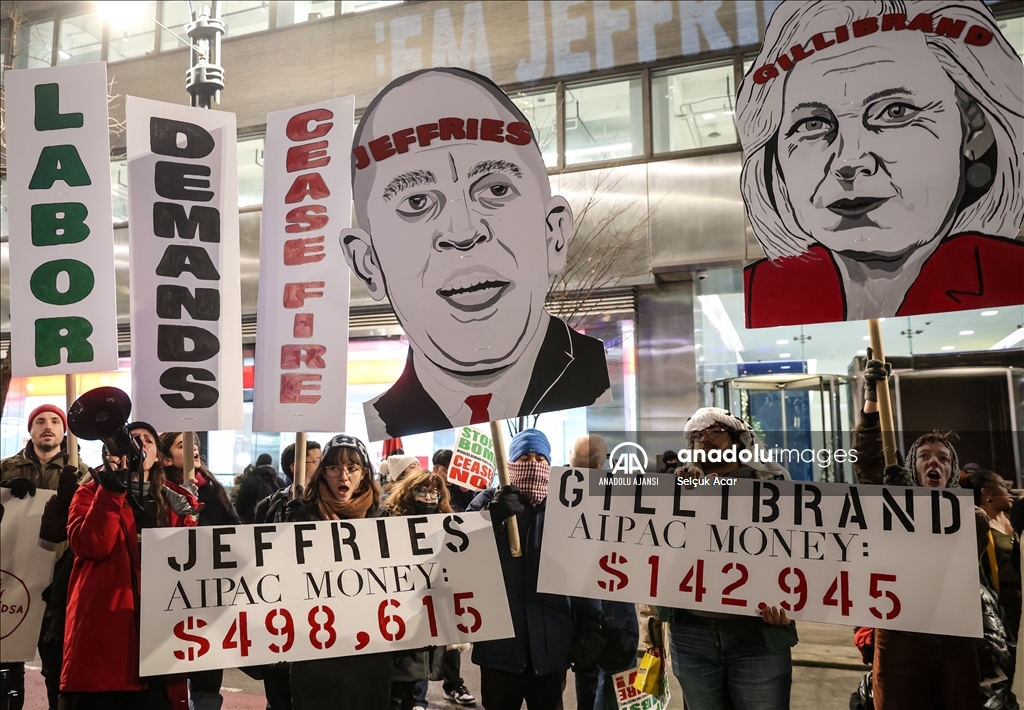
(720, 660)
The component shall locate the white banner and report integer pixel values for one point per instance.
(236, 596)
(857, 555)
(302, 329)
(184, 256)
(25, 570)
(63, 305)
(472, 464)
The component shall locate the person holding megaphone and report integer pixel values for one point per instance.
(105, 521)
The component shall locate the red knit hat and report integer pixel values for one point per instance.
(48, 408)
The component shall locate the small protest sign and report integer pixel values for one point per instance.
(842, 554)
(25, 571)
(629, 698)
(221, 597)
(472, 464)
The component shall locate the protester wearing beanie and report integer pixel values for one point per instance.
(551, 630)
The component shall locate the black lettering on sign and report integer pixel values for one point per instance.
(189, 379)
(203, 305)
(179, 139)
(171, 345)
(169, 219)
(179, 258)
(181, 181)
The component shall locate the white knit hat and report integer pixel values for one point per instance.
(391, 467)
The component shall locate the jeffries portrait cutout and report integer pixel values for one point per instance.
(459, 229)
(882, 162)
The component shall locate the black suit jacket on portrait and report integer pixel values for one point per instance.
(570, 371)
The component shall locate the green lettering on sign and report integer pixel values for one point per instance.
(44, 282)
(59, 162)
(56, 334)
(48, 115)
(59, 223)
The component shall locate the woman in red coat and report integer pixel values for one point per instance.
(101, 640)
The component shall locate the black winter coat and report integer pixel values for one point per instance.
(262, 482)
(360, 682)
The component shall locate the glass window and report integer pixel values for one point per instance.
(363, 5)
(540, 110)
(250, 171)
(603, 121)
(119, 188)
(292, 13)
(132, 32)
(81, 39)
(693, 108)
(241, 18)
(176, 16)
(34, 46)
(1013, 31)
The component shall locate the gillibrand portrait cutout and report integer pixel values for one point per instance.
(882, 171)
(459, 229)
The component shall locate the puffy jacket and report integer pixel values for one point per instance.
(25, 464)
(361, 681)
(263, 481)
(544, 623)
(103, 596)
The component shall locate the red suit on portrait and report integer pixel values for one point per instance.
(967, 271)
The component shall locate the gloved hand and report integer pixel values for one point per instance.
(874, 372)
(111, 479)
(506, 503)
(67, 484)
(587, 644)
(20, 487)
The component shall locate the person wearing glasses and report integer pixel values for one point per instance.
(343, 486)
(725, 660)
(419, 492)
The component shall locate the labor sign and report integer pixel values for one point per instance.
(223, 597)
(857, 555)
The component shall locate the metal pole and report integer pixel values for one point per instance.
(205, 78)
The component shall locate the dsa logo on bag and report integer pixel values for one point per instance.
(629, 462)
(14, 603)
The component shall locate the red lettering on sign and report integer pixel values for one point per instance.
(403, 139)
(306, 219)
(294, 355)
(298, 125)
(302, 326)
(303, 251)
(311, 185)
(306, 156)
(294, 385)
(295, 294)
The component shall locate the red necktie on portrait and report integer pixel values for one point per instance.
(478, 408)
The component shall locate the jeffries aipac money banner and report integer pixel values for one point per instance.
(841, 554)
(302, 329)
(222, 597)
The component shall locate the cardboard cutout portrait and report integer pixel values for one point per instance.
(882, 162)
(459, 229)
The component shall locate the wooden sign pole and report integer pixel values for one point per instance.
(70, 395)
(884, 404)
(188, 463)
(511, 524)
(299, 474)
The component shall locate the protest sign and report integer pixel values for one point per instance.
(629, 698)
(458, 229)
(25, 570)
(472, 464)
(184, 262)
(840, 554)
(844, 186)
(63, 307)
(302, 330)
(237, 596)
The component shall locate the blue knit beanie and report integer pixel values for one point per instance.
(529, 441)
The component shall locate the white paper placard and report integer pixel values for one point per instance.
(63, 305)
(184, 257)
(302, 330)
(223, 597)
(857, 555)
(25, 571)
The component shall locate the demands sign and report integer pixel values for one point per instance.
(226, 597)
(856, 555)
